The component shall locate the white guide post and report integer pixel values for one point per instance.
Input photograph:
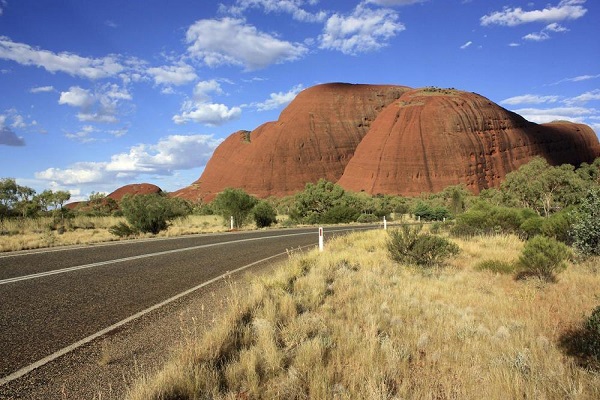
(320, 239)
(384, 224)
(231, 222)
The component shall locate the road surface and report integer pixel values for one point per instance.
(51, 300)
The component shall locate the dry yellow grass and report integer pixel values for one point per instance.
(35, 233)
(350, 324)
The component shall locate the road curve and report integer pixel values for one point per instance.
(52, 299)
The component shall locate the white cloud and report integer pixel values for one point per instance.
(464, 46)
(179, 74)
(18, 122)
(3, 5)
(170, 154)
(391, 3)
(42, 89)
(84, 135)
(577, 79)
(585, 97)
(573, 114)
(203, 90)
(530, 99)
(101, 106)
(565, 10)
(210, 114)
(77, 97)
(544, 34)
(230, 41)
(277, 100)
(292, 7)
(72, 64)
(362, 31)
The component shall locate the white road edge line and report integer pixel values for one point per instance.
(119, 260)
(25, 370)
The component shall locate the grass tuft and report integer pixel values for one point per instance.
(347, 323)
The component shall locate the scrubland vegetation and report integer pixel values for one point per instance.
(497, 298)
(350, 323)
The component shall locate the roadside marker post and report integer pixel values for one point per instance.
(384, 224)
(320, 239)
(231, 222)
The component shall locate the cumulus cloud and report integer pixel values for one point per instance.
(72, 64)
(210, 114)
(279, 99)
(565, 10)
(170, 154)
(179, 74)
(100, 106)
(364, 30)
(293, 7)
(203, 90)
(230, 41)
(10, 138)
(202, 110)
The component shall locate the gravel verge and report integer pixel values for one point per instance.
(105, 368)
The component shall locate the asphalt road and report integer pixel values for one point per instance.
(53, 298)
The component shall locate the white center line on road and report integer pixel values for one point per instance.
(25, 370)
(119, 260)
(160, 253)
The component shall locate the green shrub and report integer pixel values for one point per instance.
(234, 203)
(122, 230)
(532, 226)
(497, 266)
(427, 212)
(586, 224)
(543, 257)
(408, 245)
(340, 214)
(264, 215)
(558, 226)
(368, 218)
(149, 213)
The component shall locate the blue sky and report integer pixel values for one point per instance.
(98, 94)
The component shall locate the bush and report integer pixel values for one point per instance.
(122, 230)
(264, 215)
(234, 203)
(543, 257)
(149, 213)
(408, 245)
(340, 214)
(429, 213)
(558, 226)
(368, 218)
(497, 266)
(486, 219)
(586, 224)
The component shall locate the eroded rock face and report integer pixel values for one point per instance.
(387, 139)
(133, 189)
(314, 138)
(432, 138)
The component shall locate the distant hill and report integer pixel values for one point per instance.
(387, 139)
